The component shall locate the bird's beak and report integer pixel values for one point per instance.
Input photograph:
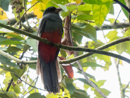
(58, 9)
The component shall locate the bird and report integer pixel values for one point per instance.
(50, 28)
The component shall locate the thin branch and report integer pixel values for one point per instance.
(90, 82)
(9, 85)
(70, 48)
(29, 84)
(125, 7)
(113, 26)
(126, 86)
(25, 13)
(117, 17)
(12, 21)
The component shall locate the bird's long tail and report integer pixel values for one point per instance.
(49, 75)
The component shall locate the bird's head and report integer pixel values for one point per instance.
(52, 10)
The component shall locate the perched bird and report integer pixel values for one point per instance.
(51, 29)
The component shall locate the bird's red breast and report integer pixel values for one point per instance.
(48, 53)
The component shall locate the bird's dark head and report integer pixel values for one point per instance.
(52, 10)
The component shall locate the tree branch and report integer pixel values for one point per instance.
(9, 85)
(113, 26)
(13, 20)
(62, 46)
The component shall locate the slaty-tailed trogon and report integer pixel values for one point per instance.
(51, 29)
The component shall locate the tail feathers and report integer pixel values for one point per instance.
(49, 76)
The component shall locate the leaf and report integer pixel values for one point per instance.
(78, 1)
(6, 61)
(91, 64)
(39, 7)
(85, 17)
(4, 94)
(100, 12)
(104, 91)
(86, 82)
(32, 42)
(84, 30)
(99, 2)
(71, 88)
(63, 53)
(4, 4)
(14, 35)
(111, 35)
(121, 47)
(9, 42)
(3, 15)
(16, 88)
(85, 7)
(100, 83)
(36, 95)
(18, 72)
(63, 7)
(89, 75)
(111, 9)
(51, 96)
(80, 94)
(12, 49)
(124, 10)
(71, 8)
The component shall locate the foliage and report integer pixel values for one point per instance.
(85, 15)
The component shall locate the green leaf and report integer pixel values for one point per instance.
(63, 53)
(32, 42)
(105, 91)
(18, 72)
(2, 38)
(84, 30)
(124, 10)
(6, 61)
(85, 7)
(70, 87)
(12, 49)
(71, 8)
(15, 36)
(33, 66)
(9, 42)
(100, 83)
(91, 64)
(112, 35)
(36, 95)
(3, 22)
(121, 47)
(84, 81)
(89, 75)
(100, 12)
(4, 94)
(16, 88)
(127, 33)
(99, 2)
(63, 7)
(80, 94)
(85, 17)
(111, 9)
(4, 4)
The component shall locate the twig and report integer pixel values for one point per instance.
(29, 84)
(24, 14)
(125, 7)
(87, 79)
(9, 85)
(117, 17)
(119, 78)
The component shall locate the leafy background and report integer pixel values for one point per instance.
(85, 16)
